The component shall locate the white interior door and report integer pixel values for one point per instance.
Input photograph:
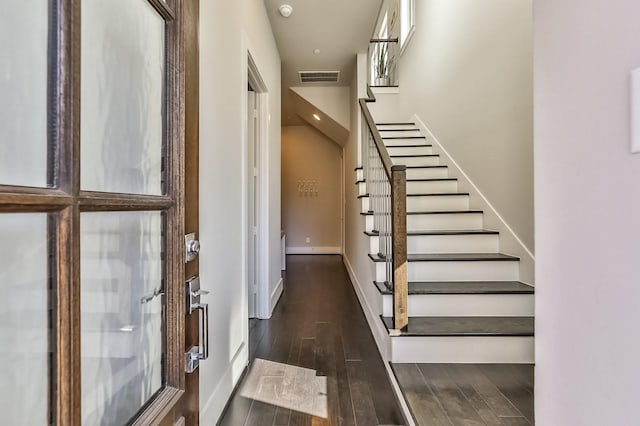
(252, 193)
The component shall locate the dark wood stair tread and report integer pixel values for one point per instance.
(437, 194)
(443, 232)
(370, 212)
(432, 179)
(465, 326)
(403, 137)
(452, 257)
(399, 130)
(413, 155)
(410, 146)
(443, 212)
(396, 124)
(463, 287)
(455, 232)
(439, 166)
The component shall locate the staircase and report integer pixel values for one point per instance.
(466, 303)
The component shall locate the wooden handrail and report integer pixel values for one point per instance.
(382, 150)
(398, 180)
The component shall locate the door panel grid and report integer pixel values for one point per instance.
(61, 210)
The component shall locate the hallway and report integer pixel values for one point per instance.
(317, 330)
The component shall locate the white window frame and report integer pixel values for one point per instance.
(407, 22)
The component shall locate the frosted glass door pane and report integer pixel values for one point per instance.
(122, 97)
(24, 320)
(121, 335)
(23, 92)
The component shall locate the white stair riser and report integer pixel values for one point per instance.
(364, 204)
(398, 134)
(446, 221)
(382, 127)
(463, 349)
(435, 202)
(362, 188)
(432, 187)
(463, 271)
(374, 245)
(405, 142)
(359, 174)
(479, 270)
(416, 161)
(413, 150)
(465, 305)
(429, 244)
(429, 173)
(368, 226)
(472, 243)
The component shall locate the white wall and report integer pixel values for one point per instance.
(333, 101)
(227, 30)
(587, 206)
(467, 73)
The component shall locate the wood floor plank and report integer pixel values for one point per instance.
(424, 405)
(472, 396)
(346, 407)
(453, 401)
(363, 408)
(511, 387)
(495, 399)
(260, 414)
(326, 366)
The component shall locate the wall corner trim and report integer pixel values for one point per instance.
(275, 296)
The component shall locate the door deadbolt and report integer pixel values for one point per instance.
(191, 247)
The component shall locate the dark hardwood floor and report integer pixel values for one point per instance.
(468, 394)
(316, 355)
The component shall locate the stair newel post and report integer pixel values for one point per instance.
(399, 248)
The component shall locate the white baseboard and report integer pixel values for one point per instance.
(213, 408)
(510, 243)
(380, 334)
(314, 250)
(406, 412)
(275, 296)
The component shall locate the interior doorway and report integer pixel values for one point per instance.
(256, 135)
(252, 201)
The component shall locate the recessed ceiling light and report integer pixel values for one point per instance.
(285, 10)
(316, 116)
(316, 51)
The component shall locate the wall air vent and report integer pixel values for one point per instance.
(319, 76)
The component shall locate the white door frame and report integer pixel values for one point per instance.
(254, 79)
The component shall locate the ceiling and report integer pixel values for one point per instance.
(338, 28)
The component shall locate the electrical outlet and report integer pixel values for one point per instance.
(308, 240)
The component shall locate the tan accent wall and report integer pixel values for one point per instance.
(308, 156)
